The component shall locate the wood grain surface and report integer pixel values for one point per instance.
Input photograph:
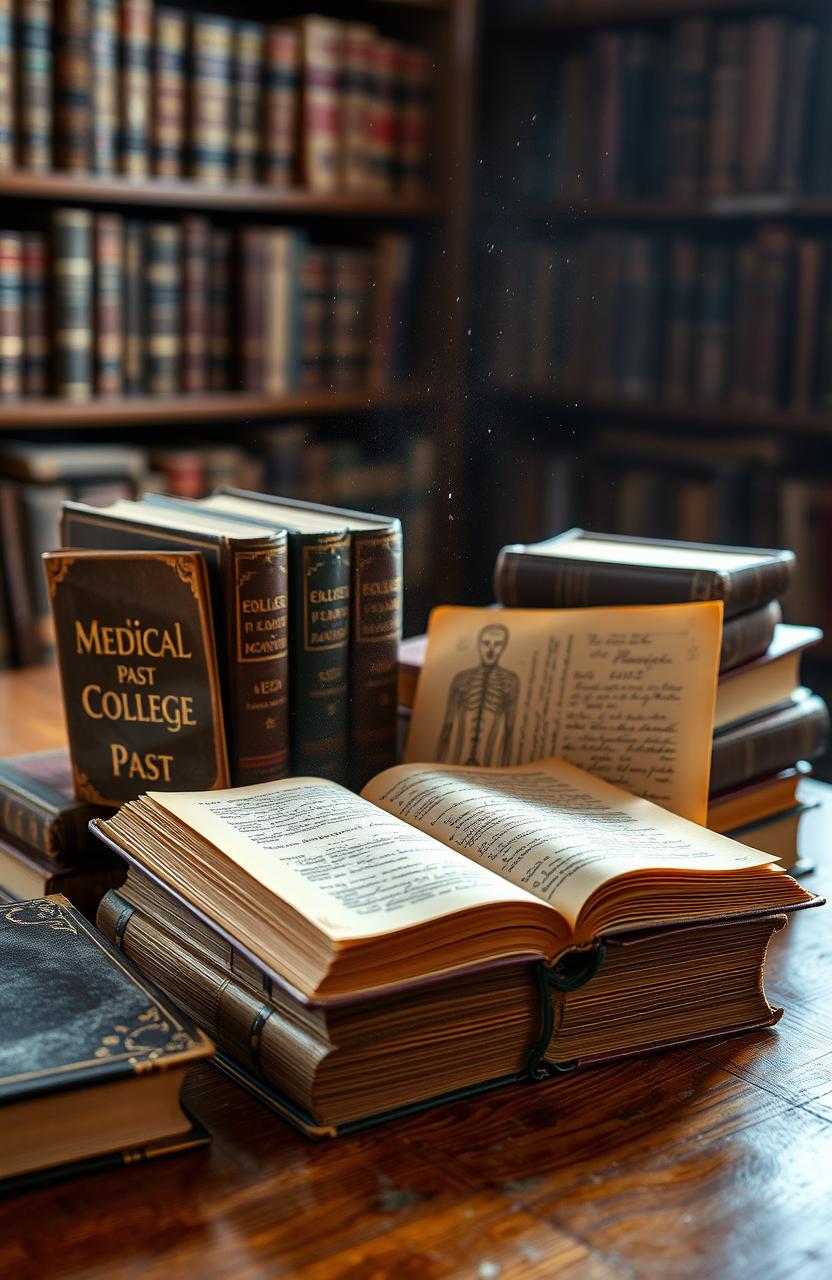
(707, 1163)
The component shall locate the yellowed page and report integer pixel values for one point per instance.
(553, 829)
(341, 862)
(626, 693)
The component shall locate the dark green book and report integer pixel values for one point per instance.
(92, 1057)
(73, 302)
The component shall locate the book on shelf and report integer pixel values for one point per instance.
(136, 31)
(93, 1058)
(246, 565)
(247, 101)
(280, 103)
(104, 104)
(138, 666)
(170, 96)
(211, 87)
(345, 585)
(11, 315)
(35, 72)
(478, 909)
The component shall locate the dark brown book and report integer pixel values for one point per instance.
(26, 874)
(686, 106)
(219, 315)
(39, 809)
(577, 569)
(196, 254)
(35, 84)
(764, 87)
(726, 109)
(11, 315)
(72, 86)
(254, 271)
(748, 635)
(137, 658)
(18, 583)
(808, 289)
(316, 315)
(247, 572)
(247, 101)
(169, 107)
(135, 25)
(134, 306)
(799, 730)
(163, 253)
(799, 64)
(280, 106)
(35, 313)
(108, 245)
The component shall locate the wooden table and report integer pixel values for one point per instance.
(707, 1163)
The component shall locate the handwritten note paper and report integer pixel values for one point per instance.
(626, 693)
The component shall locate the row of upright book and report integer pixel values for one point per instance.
(699, 108)
(745, 322)
(112, 306)
(127, 87)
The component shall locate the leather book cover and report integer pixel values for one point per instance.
(196, 247)
(280, 113)
(72, 302)
(765, 744)
(138, 672)
(74, 1012)
(163, 301)
(579, 569)
(249, 601)
(135, 106)
(35, 97)
(39, 808)
(72, 86)
(108, 238)
(168, 126)
(35, 315)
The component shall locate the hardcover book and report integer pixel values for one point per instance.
(38, 806)
(136, 654)
(578, 568)
(419, 913)
(26, 874)
(92, 1058)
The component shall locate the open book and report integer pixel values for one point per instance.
(435, 869)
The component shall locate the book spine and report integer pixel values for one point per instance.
(282, 91)
(352, 270)
(715, 313)
(686, 106)
(414, 119)
(355, 105)
(247, 106)
(8, 88)
(73, 303)
(35, 331)
(799, 66)
(766, 746)
(31, 824)
(316, 308)
(11, 315)
(135, 23)
(162, 273)
(806, 311)
(169, 93)
(765, 45)
(319, 578)
(681, 314)
(134, 307)
(281, 363)
(219, 325)
(72, 86)
(727, 84)
(211, 41)
(376, 627)
(104, 84)
(254, 252)
(35, 89)
(748, 636)
(382, 122)
(109, 288)
(196, 254)
(320, 126)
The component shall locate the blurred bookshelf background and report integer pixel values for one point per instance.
(500, 268)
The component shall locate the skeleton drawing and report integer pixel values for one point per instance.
(478, 726)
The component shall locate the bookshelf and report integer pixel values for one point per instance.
(421, 392)
(598, 177)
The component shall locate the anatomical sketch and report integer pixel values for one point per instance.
(478, 725)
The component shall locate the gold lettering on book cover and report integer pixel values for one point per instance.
(49, 914)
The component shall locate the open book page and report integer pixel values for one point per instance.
(347, 866)
(552, 828)
(626, 693)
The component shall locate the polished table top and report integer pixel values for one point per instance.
(707, 1163)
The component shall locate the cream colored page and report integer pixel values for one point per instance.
(552, 829)
(341, 862)
(627, 693)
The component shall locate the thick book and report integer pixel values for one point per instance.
(135, 30)
(752, 802)
(169, 115)
(11, 315)
(352, 277)
(25, 873)
(579, 569)
(376, 592)
(104, 66)
(38, 806)
(72, 303)
(72, 86)
(134, 306)
(92, 1057)
(35, 43)
(196, 263)
(35, 315)
(247, 101)
(768, 681)
(281, 95)
(320, 60)
(785, 835)
(247, 572)
(137, 659)
(8, 90)
(414, 118)
(356, 104)
(219, 312)
(163, 295)
(210, 87)
(765, 744)
(495, 871)
(108, 247)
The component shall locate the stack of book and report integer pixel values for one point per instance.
(45, 845)
(740, 321)
(306, 606)
(699, 107)
(124, 86)
(357, 957)
(112, 306)
(766, 724)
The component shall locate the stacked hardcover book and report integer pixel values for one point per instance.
(126, 87)
(111, 306)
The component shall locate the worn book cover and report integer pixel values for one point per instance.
(78, 1018)
(138, 670)
(38, 806)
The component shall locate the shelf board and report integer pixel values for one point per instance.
(677, 414)
(186, 194)
(568, 14)
(708, 209)
(236, 407)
